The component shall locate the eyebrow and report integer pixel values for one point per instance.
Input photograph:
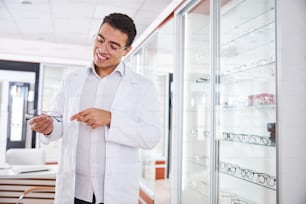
(112, 42)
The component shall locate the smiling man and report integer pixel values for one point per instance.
(109, 112)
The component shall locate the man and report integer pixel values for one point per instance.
(109, 112)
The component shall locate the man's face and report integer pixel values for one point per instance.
(109, 48)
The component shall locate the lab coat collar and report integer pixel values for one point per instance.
(129, 75)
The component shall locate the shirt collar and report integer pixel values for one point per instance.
(120, 69)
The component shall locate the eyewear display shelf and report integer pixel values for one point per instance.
(246, 131)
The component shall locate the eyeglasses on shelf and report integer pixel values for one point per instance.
(262, 179)
(247, 138)
(231, 198)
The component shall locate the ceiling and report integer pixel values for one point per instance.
(55, 30)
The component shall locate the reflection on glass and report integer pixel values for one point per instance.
(155, 61)
(196, 111)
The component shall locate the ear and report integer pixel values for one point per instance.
(127, 50)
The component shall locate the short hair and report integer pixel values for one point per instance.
(123, 23)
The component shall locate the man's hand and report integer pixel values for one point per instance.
(42, 124)
(93, 117)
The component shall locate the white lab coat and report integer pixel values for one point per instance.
(135, 124)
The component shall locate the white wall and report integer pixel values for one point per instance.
(291, 101)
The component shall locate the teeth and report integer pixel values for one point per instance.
(101, 56)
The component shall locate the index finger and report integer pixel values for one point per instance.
(78, 116)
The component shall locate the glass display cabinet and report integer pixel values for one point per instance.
(226, 79)
(247, 102)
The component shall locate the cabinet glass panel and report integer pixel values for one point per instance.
(247, 115)
(196, 106)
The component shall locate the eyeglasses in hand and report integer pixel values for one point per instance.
(52, 114)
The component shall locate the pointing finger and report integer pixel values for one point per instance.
(75, 117)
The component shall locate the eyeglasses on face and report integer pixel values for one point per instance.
(112, 47)
(52, 114)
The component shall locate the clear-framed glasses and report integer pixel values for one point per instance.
(251, 139)
(52, 114)
(266, 179)
(247, 173)
(112, 47)
(238, 201)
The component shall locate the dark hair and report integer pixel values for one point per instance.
(123, 23)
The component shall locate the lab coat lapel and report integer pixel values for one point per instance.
(128, 80)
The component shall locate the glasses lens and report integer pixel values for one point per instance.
(235, 201)
(227, 136)
(30, 114)
(52, 114)
(111, 47)
(55, 115)
(272, 181)
(250, 174)
(261, 178)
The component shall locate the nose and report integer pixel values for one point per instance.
(102, 47)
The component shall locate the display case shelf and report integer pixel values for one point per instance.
(249, 107)
(265, 64)
(261, 29)
(249, 175)
(199, 187)
(200, 160)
